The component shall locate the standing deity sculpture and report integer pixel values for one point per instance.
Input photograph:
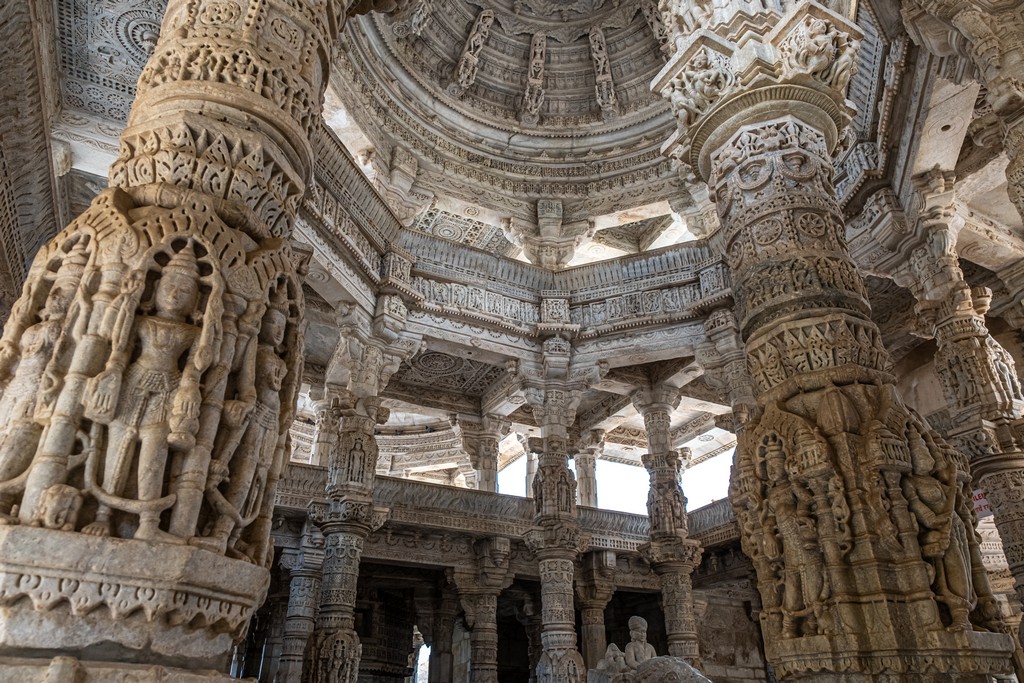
(149, 403)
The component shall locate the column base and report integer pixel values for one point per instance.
(71, 670)
(960, 657)
(117, 600)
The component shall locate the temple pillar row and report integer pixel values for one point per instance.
(838, 486)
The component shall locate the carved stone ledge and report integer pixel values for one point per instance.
(71, 670)
(177, 605)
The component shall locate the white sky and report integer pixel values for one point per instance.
(624, 487)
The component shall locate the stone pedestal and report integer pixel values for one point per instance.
(115, 600)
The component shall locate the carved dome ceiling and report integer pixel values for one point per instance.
(457, 84)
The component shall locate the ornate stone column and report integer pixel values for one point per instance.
(325, 430)
(978, 376)
(369, 352)
(990, 34)
(529, 616)
(586, 468)
(533, 448)
(345, 520)
(594, 589)
(140, 431)
(481, 443)
(479, 587)
(305, 567)
(441, 644)
(841, 492)
(556, 540)
(672, 555)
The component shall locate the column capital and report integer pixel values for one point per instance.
(660, 398)
(803, 61)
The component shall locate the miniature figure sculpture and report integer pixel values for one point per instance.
(638, 650)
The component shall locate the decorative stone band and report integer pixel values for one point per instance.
(154, 600)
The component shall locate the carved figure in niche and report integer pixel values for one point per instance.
(155, 397)
(803, 585)
(931, 497)
(22, 368)
(253, 439)
(599, 52)
(478, 36)
(638, 650)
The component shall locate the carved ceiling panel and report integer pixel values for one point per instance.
(436, 370)
(103, 46)
(472, 233)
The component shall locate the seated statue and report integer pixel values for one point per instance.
(638, 650)
(640, 663)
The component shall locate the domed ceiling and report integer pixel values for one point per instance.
(501, 103)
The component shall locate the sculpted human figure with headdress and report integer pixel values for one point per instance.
(144, 397)
(255, 435)
(21, 373)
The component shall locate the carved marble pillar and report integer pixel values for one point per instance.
(990, 34)
(305, 569)
(325, 431)
(594, 589)
(533, 449)
(134, 420)
(481, 443)
(441, 644)
(586, 468)
(672, 555)
(556, 539)
(345, 520)
(479, 587)
(978, 376)
(840, 490)
(529, 616)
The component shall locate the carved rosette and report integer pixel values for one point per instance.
(836, 472)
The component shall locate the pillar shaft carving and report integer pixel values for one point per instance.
(829, 414)
(594, 589)
(977, 374)
(481, 443)
(305, 569)
(479, 588)
(441, 656)
(586, 468)
(557, 539)
(128, 368)
(345, 520)
(671, 554)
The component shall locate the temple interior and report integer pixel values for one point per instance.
(511, 341)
